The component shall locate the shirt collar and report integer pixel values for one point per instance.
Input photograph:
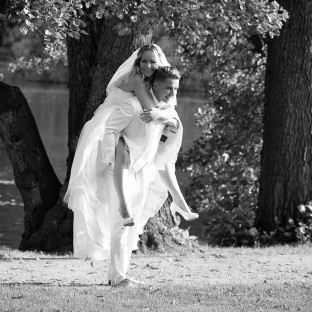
(154, 98)
(159, 104)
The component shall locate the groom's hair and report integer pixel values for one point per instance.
(164, 72)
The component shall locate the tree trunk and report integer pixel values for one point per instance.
(33, 173)
(286, 158)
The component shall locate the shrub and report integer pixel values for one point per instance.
(224, 162)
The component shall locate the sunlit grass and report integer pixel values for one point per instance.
(17, 254)
(266, 292)
(215, 298)
(292, 249)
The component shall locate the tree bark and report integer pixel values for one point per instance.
(156, 230)
(286, 158)
(33, 173)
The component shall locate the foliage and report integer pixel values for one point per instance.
(300, 231)
(37, 64)
(224, 162)
(200, 40)
(181, 236)
(304, 218)
(192, 22)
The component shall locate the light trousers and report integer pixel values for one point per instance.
(120, 249)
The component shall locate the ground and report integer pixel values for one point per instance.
(200, 265)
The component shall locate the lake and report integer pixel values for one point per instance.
(49, 105)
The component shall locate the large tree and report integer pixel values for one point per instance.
(286, 158)
(99, 36)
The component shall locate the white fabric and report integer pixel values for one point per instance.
(98, 232)
(91, 193)
(123, 73)
(143, 140)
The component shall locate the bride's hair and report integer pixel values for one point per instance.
(131, 65)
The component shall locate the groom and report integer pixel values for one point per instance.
(164, 89)
(165, 84)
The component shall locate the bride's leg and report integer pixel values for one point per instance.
(169, 179)
(118, 120)
(179, 204)
(121, 172)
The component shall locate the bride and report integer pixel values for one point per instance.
(95, 190)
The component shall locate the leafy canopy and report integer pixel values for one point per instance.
(192, 21)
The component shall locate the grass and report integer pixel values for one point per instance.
(216, 298)
(274, 293)
(14, 254)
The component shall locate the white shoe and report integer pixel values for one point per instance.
(131, 280)
(128, 221)
(188, 216)
(125, 284)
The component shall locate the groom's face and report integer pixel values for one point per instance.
(165, 90)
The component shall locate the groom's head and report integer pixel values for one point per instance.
(165, 83)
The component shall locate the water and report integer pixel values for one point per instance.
(49, 105)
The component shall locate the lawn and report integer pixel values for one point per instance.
(183, 279)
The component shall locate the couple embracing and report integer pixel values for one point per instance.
(124, 162)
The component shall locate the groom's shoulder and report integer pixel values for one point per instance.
(133, 103)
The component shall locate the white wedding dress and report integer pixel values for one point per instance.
(91, 193)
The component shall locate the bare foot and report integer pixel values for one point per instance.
(124, 212)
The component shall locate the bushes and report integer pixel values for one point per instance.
(224, 165)
(224, 162)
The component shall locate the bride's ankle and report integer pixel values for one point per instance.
(124, 211)
(183, 206)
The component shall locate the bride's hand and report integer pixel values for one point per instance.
(159, 114)
(151, 114)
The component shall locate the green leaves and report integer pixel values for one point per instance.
(57, 18)
(304, 229)
(192, 22)
(224, 162)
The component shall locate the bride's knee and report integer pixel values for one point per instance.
(122, 154)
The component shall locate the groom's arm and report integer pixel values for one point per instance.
(168, 116)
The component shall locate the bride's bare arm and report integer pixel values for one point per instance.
(142, 93)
